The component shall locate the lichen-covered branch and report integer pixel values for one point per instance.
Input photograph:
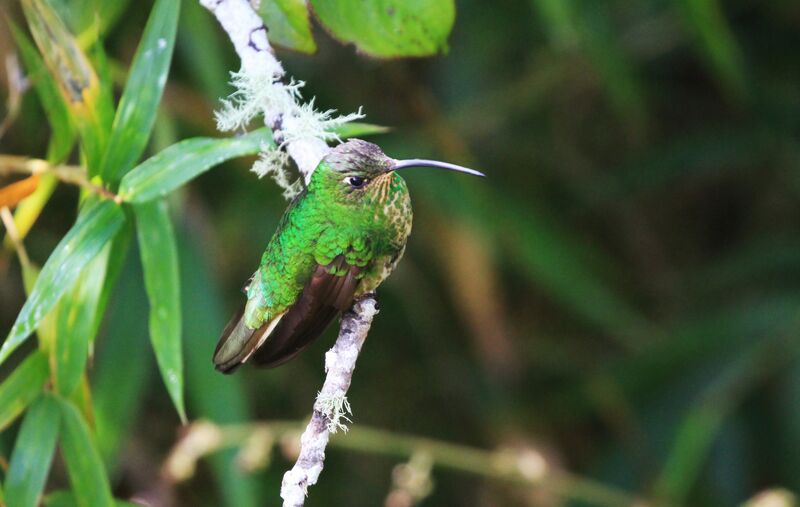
(331, 407)
(300, 133)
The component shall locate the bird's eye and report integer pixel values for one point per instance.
(356, 181)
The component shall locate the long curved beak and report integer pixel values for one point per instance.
(419, 162)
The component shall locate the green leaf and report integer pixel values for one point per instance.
(33, 453)
(173, 167)
(359, 129)
(160, 265)
(86, 472)
(63, 134)
(73, 72)
(205, 387)
(21, 387)
(716, 42)
(75, 324)
(288, 24)
(148, 75)
(93, 229)
(389, 29)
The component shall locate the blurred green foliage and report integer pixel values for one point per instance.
(619, 298)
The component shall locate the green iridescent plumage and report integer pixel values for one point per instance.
(339, 239)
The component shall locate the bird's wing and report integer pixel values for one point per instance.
(329, 291)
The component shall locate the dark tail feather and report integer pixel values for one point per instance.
(232, 347)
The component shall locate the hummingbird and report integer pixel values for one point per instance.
(338, 240)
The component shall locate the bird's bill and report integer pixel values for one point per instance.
(419, 162)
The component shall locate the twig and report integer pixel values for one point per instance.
(71, 174)
(331, 405)
(11, 229)
(303, 133)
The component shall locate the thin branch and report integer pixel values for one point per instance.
(303, 133)
(331, 406)
(74, 175)
(526, 467)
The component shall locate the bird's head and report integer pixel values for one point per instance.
(356, 168)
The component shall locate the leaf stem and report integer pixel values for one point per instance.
(74, 175)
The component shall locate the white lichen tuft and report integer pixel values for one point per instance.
(263, 93)
(336, 408)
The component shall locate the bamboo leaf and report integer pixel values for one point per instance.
(359, 129)
(55, 108)
(21, 387)
(86, 472)
(204, 386)
(409, 28)
(173, 167)
(75, 324)
(716, 43)
(148, 75)
(93, 229)
(160, 265)
(288, 24)
(33, 453)
(74, 74)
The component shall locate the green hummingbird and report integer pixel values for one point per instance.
(338, 240)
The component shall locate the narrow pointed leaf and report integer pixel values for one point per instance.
(359, 129)
(288, 24)
(93, 229)
(75, 324)
(73, 72)
(148, 75)
(205, 387)
(160, 265)
(173, 167)
(63, 134)
(33, 453)
(409, 28)
(86, 472)
(21, 387)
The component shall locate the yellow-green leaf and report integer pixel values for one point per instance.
(63, 134)
(389, 29)
(288, 24)
(93, 229)
(73, 72)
